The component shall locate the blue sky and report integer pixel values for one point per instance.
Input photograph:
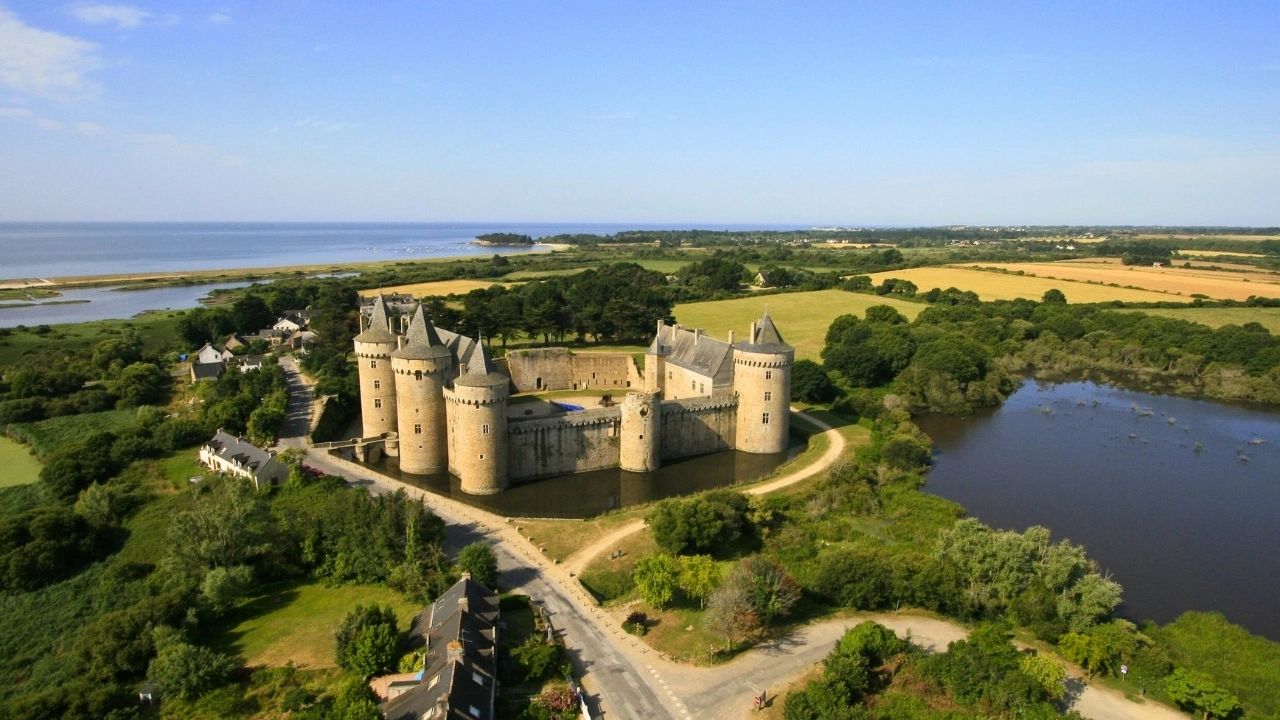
(841, 113)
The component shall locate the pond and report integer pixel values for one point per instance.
(1178, 498)
(586, 494)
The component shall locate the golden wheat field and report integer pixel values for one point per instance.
(1172, 280)
(1217, 253)
(1004, 286)
(427, 289)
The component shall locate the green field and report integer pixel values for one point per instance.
(1217, 317)
(802, 318)
(296, 622)
(20, 467)
(50, 435)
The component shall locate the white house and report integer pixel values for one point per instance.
(209, 354)
(228, 454)
(287, 325)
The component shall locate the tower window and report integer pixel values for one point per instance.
(768, 396)
(373, 363)
(668, 374)
(693, 384)
(485, 429)
(377, 384)
(417, 429)
(765, 419)
(417, 374)
(702, 388)
(377, 402)
(768, 374)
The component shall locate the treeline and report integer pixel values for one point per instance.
(906, 237)
(619, 302)
(959, 354)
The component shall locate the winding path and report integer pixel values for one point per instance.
(579, 560)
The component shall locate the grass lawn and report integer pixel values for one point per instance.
(440, 287)
(1217, 317)
(48, 436)
(559, 539)
(802, 318)
(610, 578)
(296, 622)
(20, 466)
(1007, 286)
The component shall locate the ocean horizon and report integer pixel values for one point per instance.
(63, 249)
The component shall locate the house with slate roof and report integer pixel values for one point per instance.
(458, 637)
(231, 455)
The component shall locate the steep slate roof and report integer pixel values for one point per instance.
(379, 330)
(765, 338)
(207, 371)
(261, 464)
(481, 370)
(703, 354)
(462, 617)
(421, 341)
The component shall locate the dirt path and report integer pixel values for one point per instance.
(579, 560)
(726, 691)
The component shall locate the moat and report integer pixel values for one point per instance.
(1178, 498)
(586, 494)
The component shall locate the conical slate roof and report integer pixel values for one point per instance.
(481, 370)
(421, 342)
(766, 337)
(379, 330)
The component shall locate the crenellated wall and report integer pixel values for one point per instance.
(696, 426)
(570, 443)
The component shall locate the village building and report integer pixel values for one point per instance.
(225, 453)
(207, 371)
(287, 325)
(457, 637)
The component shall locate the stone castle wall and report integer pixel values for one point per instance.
(576, 442)
(541, 369)
(694, 427)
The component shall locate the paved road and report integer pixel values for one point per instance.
(612, 665)
(297, 417)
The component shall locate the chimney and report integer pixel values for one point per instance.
(464, 604)
(399, 342)
(753, 332)
(697, 335)
(659, 329)
(730, 337)
(455, 651)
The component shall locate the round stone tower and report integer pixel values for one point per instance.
(478, 417)
(377, 381)
(422, 366)
(640, 439)
(762, 382)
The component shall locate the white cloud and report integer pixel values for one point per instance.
(124, 17)
(219, 18)
(44, 63)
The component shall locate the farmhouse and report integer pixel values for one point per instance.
(439, 402)
(226, 453)
(457, 636)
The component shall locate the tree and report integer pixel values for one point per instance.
(731, 612)
(699, 577)
(250, 313)
(186, 671)
(698, 524)
(479, 560)
(656, 577)
(770, 591)
(810, 382)
(355, 702)
(139, 384)
(1053, 296)
(536, 656)
(1047, 672)
(221, 587)
(1196, 691)
(367, 639)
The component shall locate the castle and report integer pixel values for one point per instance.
(439, 401)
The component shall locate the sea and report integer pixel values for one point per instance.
(45, 250)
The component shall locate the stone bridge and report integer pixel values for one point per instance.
(365, 449)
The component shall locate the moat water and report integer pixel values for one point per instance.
(1179, 499)
(586, 494)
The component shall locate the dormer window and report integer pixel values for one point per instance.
(478, 678)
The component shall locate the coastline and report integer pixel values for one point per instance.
(201, 277)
